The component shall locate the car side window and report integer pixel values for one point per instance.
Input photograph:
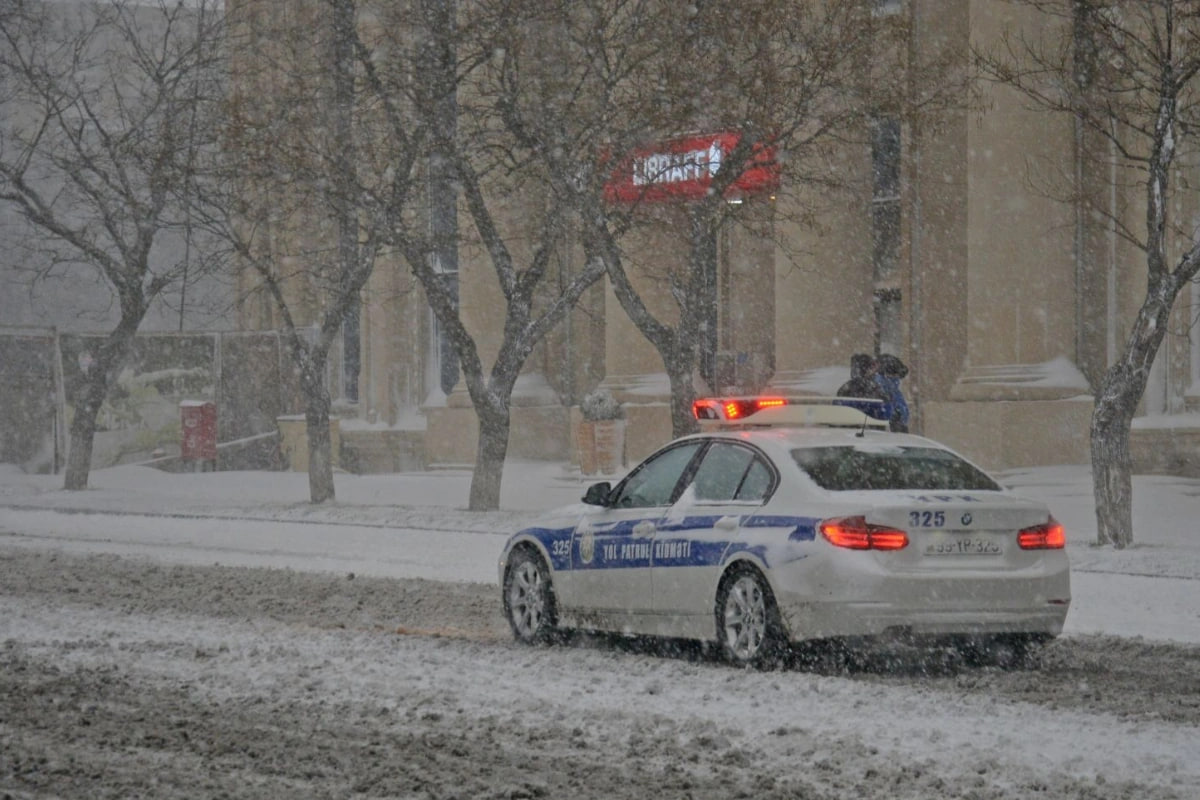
(653, 484)
(731, 472)
(757, 483)
(720, 473)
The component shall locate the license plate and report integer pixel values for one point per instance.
(964, 546)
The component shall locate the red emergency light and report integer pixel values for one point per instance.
(788, 412)
(734, 408)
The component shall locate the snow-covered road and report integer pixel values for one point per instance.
(124, 677)
(213, 635)
(1150, 593)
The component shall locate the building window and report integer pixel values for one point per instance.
(887, 8)
(441, 374)
(443, 232)
(885, 232)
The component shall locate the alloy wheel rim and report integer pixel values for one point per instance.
(526, 599)
(745, 618)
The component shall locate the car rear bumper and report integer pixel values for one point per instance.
(1034, 600)
(878, 619)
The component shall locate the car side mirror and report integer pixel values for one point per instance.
(597, 494)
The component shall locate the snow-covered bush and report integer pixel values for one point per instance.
(601, 405)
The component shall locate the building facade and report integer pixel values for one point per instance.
(961, 247)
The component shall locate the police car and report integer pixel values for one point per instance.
(788, 520)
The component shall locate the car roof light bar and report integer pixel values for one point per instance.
(785, 411)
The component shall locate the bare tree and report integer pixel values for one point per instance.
(1127, 73)
(299, 206)
(777, 86)
(493, 174)
(319, 192)
(98, 147)
(521, 109)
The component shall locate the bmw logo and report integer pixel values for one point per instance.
(967, 518)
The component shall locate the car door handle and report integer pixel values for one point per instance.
(643, 529)
(728, 523)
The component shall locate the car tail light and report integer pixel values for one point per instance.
(856, 534)
(1050, 535)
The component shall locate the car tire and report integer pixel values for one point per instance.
(749, 630)
(1020, 651)
(1013, 651)
(529, 598)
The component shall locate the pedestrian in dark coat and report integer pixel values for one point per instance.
(862, 384)
(862, 378)
(878, 379)
(889, 371)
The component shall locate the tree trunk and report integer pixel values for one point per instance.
(1116, 402)
(320, 454)
(83, 429)
(109, 358)
(316, 423)
(683, 396)
(489, 458)
(1112, 472)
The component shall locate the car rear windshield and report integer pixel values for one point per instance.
(855, 468)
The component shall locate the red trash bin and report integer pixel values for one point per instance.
(199, 418)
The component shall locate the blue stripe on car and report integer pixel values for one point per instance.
(689, 523)
(803, 528)
(671, 547)
(560, 556)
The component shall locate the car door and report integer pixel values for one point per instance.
(730, 483)
(612, 546)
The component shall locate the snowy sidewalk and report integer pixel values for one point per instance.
(436, 499)
(405, 525)
(410, 525)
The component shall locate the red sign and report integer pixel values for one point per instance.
(199, 423)
(683, 169)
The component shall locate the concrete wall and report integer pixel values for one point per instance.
(1001, 434)
(247, 374)
(1166, 451)
(31, 422)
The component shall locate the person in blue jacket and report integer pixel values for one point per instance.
(889, 371)
(878, 379)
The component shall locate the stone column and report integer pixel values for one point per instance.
(1016, 398)
(822, 277)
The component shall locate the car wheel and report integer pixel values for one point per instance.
(1012, 651)
(748, 624)
(1020, 651)
(528, 598)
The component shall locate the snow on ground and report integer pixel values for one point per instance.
(831, 736)
(414, 525)
(881, 739)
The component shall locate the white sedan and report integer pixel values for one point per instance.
(793, 521)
